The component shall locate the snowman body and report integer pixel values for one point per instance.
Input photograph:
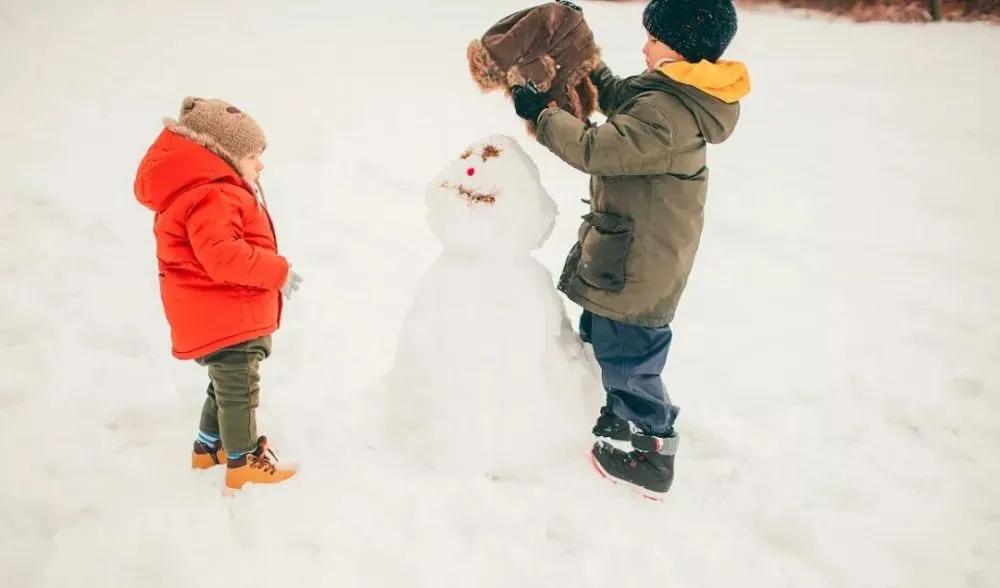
(489, 377)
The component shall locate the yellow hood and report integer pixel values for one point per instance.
(728, 81)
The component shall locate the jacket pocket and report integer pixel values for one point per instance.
(604, 248)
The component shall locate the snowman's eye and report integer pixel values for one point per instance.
(466, 154)
(491, 151)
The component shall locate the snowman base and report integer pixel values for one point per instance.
(488, 379)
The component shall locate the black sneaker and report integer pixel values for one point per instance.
(648, 471)
(610, 426)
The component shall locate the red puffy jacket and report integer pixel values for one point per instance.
(220, 272)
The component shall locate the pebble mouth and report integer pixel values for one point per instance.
(472, 196)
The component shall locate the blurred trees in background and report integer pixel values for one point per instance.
(898, 10)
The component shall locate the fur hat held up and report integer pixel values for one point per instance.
(550, 45)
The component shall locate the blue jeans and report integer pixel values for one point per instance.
(632, 359)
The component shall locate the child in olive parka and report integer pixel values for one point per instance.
(637, 245)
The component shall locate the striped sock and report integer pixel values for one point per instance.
(207, 439)
(235, 456)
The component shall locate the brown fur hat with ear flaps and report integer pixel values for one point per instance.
(219, 127)
(550, 45)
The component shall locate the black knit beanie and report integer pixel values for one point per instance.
(697, 29)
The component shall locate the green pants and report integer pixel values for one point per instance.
(233, 394)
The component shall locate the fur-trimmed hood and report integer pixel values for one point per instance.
(208, 142)
(180, 160)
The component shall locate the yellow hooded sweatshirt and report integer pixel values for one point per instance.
(728, 81)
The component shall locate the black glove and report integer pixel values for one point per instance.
(569, 4)
(529, 102)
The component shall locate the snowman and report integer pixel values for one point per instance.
(488, 376)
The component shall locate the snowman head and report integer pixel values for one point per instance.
(490, 200)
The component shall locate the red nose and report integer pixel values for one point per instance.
(471, 171)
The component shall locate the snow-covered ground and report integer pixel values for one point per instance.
(836, 354)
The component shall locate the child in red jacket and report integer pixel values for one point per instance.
(221, 278)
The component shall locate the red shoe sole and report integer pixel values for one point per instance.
(617, 482)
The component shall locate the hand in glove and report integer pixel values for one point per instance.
(529, 102)
(292, 283)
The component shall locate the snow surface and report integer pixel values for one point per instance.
(836, 354)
